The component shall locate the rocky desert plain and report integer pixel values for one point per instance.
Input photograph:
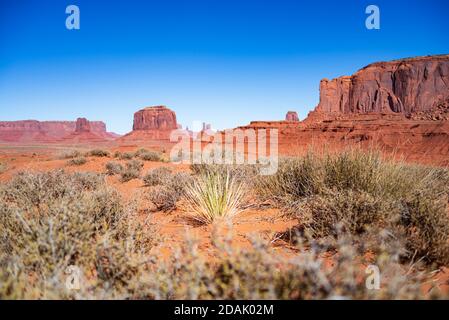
(398, 109)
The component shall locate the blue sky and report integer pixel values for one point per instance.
(223, 62)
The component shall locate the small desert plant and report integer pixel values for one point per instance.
(3, 167)
(98, 153)
(113, 168)
(78, 161)
(70, 154)
(126, 156)
(157, 176)
(151, 156)
(213, 196)
(166, 188)
(131, 171)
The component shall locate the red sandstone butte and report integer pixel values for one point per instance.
(29, 131)
(403, 86)
(399, 107)
(152, 123)
(291, 116)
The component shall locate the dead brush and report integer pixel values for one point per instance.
(113, 168)
(52, 221)
(132, 170)
(3, 167)
(166, 189)
(78, 161)
(98, 153)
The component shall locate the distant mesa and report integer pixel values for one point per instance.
(152, 123)
(291, 116)
(29, 131)
(155, 118)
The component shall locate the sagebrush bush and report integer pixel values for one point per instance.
(363, 192)
(151, 156)
(126, 156)
(52, 221)
(78, 161)
(99, 153)
(113, 168)
(166, 188)
(132, 170)
(214, 195)
(70, 154)
(157, 176)
(3, 167)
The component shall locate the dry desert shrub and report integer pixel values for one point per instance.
(157, 176)
(362, 193)
(51, 222)
(78, 161)
(113, 168)
(3, 167)
(131, 171)
(166, 188)
(126, 156)
(98, 153)
(258, 272)
(69, 154)
(152, 156)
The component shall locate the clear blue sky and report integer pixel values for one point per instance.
(225, 62)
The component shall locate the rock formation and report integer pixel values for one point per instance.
(152, 123)
(28, 131)
(82, 125)
(402, 86)
(155, 118)
(291, 116)
(399, 107)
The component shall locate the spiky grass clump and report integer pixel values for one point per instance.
(215, 196)
(78, 161)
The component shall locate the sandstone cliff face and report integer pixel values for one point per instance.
(291, 116)
(155, 118)
(403, 86)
